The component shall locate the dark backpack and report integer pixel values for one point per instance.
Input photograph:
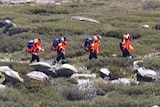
(55, 42)
(29, 47)
(87, 43)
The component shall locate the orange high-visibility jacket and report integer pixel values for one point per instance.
(61, 47)
(96, 44)
(37, 41)
(96, 47)
(64, 44)
(36, 48)
(127, 44)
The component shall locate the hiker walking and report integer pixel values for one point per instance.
(33, 47)
(125, 45)
(92, 45)
(59, 45)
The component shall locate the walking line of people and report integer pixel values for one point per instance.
(91, 45)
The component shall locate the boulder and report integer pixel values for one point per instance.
(104, 73)
(13, 76)
(10, 75)
(66, 70)
(142, 73)
(40, 65)
(40, 76)
(3, 69)
(43, 67)
(146, 75)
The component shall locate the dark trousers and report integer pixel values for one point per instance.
(34, 57)
(60, 56)
(92, 55)
(126, 53)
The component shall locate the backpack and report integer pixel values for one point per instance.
(87, 43)
(55, 42)
(29, 47)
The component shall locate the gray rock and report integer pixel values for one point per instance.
(81, 18)
(105, 73)
(40, 76)
(3, 69)
(147, 72)
(146, 75)
(43, 67)
(66, 70)
(10, 75)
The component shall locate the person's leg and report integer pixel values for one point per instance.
(57, 58)
(128, 54)
(122, 49)
(91, 55)
(95, 55)
(37, 58)
(125, 53)
(33, 58)
(63, 59)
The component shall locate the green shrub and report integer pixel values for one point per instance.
(151, 4)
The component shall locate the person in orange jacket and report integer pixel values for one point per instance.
(125, 45)
(61, 48)
(36, 48)
(94, 47)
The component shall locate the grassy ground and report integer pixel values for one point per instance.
(116, 17)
